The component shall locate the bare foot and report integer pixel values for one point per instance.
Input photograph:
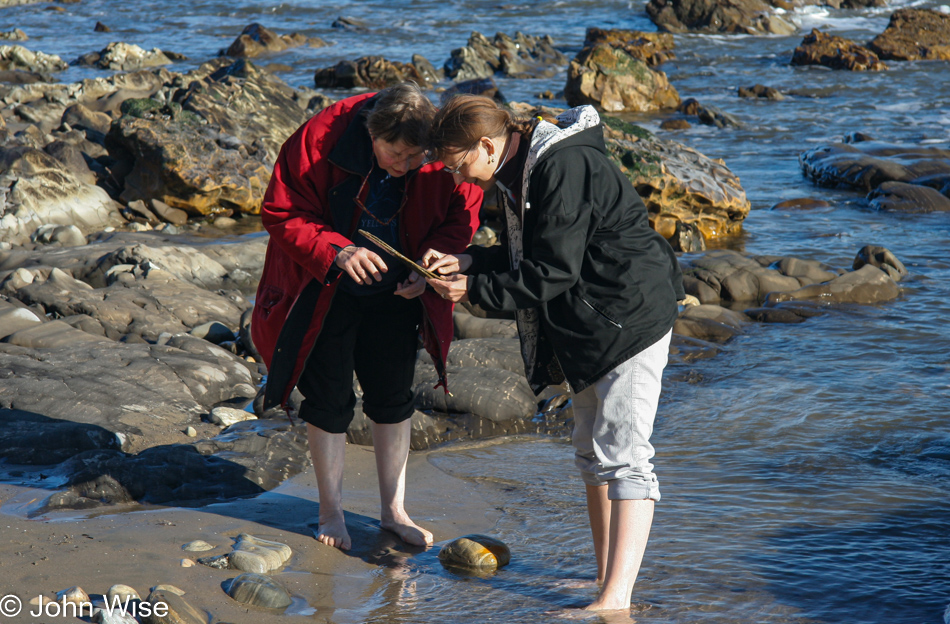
(407, 530)
(332, 532)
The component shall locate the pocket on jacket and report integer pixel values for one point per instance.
(602, 313)
(268, 298)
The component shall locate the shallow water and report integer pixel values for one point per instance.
(806, 470)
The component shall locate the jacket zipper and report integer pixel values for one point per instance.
(606, 318)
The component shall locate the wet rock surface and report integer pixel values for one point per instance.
(864, 164)
(255, 40)
(475, 551)
(259, 590)
(748, 17)
(818, 48)
(518, 56)
(914, 35)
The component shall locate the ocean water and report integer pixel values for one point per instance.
(805, 470)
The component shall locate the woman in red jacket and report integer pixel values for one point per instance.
(330, 303)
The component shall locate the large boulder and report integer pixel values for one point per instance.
(188, 165)
(39, 190)
(255, 40)
(680, 186)
(748, 17)
(120, 56)
(651, 48)
(914, 35)
(835, 52)
(866, 164)
(367, 72)
(613, 80)
(247, 103)
(521, 56)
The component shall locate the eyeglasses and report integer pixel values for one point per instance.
(426, 156)
(457, 169)
(362, 206)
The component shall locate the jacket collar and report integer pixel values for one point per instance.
(354, 151)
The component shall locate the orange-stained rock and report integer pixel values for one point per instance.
(913, 35)
(835, 52)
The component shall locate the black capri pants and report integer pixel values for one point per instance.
(377, 336)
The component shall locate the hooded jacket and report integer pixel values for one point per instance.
(604, 285)
(309, 211)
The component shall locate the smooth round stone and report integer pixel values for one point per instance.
(253, 554)
(168, 588)
(191, 432)
(224, 222)
(475, 551)
(187, 563)
(121, 592)
(197, 546)
(260, 591)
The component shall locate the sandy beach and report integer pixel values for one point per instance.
(142, 549)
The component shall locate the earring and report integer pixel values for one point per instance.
(491, 159)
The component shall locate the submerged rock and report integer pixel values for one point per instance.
(259, 590)
(909, 198)
(475, 551)
(866, 164)
(835, 52)
(913, 35)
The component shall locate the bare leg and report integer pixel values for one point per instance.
(327, 451)
(391, 445)
(630, 522)
(598, 510)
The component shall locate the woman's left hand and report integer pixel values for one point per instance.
(412, 287)
(453, 287)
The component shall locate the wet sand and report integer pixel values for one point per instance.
(141, 547)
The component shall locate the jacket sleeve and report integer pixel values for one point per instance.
(561, 198)
(492, 259)
(293, 211)
(461, 220)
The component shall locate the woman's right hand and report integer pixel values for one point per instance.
(446, 264)
(361, 264)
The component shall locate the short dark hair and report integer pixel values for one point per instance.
(401, 113)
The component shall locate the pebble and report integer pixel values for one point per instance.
(187, 563)
(191, 432)
(224, 222)
(197, 546)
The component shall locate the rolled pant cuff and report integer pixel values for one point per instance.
(633, 489)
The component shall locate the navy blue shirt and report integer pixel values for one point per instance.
(383, 199)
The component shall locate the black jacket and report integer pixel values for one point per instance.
(605, 283)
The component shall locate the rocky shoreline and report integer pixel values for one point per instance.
(127, 374)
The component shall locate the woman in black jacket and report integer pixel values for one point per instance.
(595, 293)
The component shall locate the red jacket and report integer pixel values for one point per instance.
(310, 214)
